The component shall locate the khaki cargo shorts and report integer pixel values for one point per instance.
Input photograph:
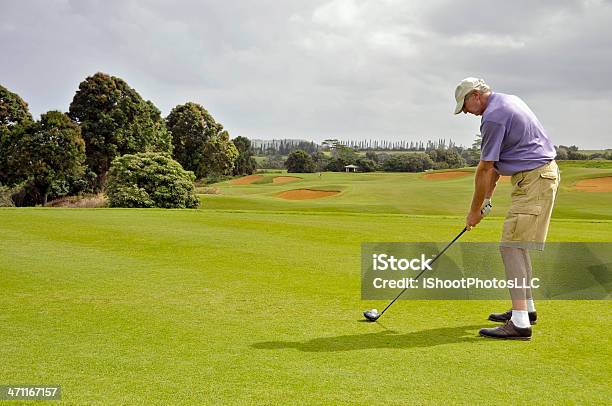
(533, 198)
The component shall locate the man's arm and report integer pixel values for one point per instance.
(484, 186)
(491, 188)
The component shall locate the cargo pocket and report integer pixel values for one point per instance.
(525, 223)
(548, 185)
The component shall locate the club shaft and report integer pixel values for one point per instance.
(421, 273)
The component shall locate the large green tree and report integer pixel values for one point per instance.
(14, 118)
(300, 162)
(115, 120)
(409, 162)
(245, 163)
(49, 154)
(220, 154)
(449, 158)
(191, 126)
(13, 109)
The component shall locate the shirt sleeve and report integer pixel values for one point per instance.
(492, 137)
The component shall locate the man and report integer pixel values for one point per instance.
(513, 143)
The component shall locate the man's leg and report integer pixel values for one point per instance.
(516, 270)
(528, 294)
(518, 327)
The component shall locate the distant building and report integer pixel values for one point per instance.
(351, 168)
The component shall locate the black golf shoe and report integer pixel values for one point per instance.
(504, 317)
(507, 332)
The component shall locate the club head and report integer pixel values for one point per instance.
(371, 315)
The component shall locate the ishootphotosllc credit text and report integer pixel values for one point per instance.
(463, 283)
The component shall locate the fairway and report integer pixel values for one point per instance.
(126, 306)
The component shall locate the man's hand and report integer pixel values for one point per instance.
(473, 219)
(486, 207)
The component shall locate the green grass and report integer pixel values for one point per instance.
(256, 300)
(596, 163)
(594, 151)
(163, 306)
(404, 193)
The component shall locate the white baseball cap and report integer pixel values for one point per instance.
(466, 86)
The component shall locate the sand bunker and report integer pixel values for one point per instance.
(284, 179)
(447, 175)
(595, 185)
(246, 180)
(304, 194)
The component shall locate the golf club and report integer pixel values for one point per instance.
(373, 315)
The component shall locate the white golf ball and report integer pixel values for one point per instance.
(374, 311)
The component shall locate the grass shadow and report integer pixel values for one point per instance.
(382, 339)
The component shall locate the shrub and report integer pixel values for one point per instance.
(6, 196)
(446, 158)
(335, 165)
(150, 180)
(300, 162)
(415, 162)
(441, 165)
(366, 165)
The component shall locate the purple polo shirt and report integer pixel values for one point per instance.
(512, 136)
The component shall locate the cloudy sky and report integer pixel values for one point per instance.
(316, 69)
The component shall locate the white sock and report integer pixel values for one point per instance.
(520, 318)
(530, 305)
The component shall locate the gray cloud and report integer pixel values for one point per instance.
(318, 69)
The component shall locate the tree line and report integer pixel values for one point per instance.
(573, 154)
(283, 147)
(71, 153)
(301, 161)
(390, 145)
(419, 156)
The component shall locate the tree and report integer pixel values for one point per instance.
(320, 160)
(150, 179)
(191, 126)
(415, 162)
(346, 154)
(13, 109)
(371, 155)
(245, 163)
(472, 155)
(562, 153)
(329, 144)
(114, 121)
(342, 156)
(220, 154)
(14, 117)
(300, 162)
(446, 158)
(366, 165)
(574, 154)
(49, 154)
